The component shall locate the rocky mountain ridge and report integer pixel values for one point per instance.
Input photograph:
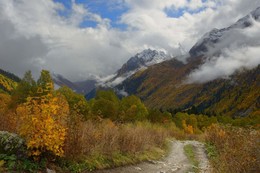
(211, 40)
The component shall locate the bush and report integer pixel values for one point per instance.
(236, 148)
(13, 156)
(11, 143)
(42, 124)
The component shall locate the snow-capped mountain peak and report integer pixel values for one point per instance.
(247, 20)
(149, 55)
(256, 13)
(143, 59)
(212, 39)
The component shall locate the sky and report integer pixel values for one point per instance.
(82, 38)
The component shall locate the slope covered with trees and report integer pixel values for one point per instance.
(163, 86)
(8, 81)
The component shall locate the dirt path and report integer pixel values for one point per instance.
(176, 162)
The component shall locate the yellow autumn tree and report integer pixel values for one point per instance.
(42, 118)
(42, 122)
(7, 118)
(187, 128)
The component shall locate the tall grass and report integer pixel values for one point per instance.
(234, 150)
(101, 144)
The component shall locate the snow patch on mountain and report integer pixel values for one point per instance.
(140, 61)
(248, 19)
(229, 49)
(113, 80)
(217, 39)
(145, 58)
(151, 57)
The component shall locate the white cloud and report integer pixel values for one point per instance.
(33, 35)
(244, 53)
(224, 66)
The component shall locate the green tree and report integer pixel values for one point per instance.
(156, 116)
(133, 109)
(77, 102)
(178, 119)
(192, 120)
(108, 95)
(106, 105)
(26, 88)
(105, 109)
(45, 83)
(205, 121)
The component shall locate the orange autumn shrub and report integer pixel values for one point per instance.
(42, 124)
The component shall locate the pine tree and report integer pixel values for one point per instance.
(26, 88)
(45, 83)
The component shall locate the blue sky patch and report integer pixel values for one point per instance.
(67, 4)
(180, 12)
(87, 24)
(175, 13)
(104, 8)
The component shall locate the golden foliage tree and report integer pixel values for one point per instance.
(42, 120)
(42, 124)
(187, 128)
(7, 118)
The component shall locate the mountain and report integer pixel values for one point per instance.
(218, 39)
(145, 58)
(85, 86)
(8, 81)
(138, 62)
(163, 85)
(82, 87)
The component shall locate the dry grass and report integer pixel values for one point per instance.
(109, 142)
(237, 149)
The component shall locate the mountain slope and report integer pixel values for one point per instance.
(81, 87)
(8, 81)
(145, 58)
(164, 85)
(138, 62)
(218, 39)
(161, 87)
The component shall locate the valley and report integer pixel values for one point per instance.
(162, 110)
